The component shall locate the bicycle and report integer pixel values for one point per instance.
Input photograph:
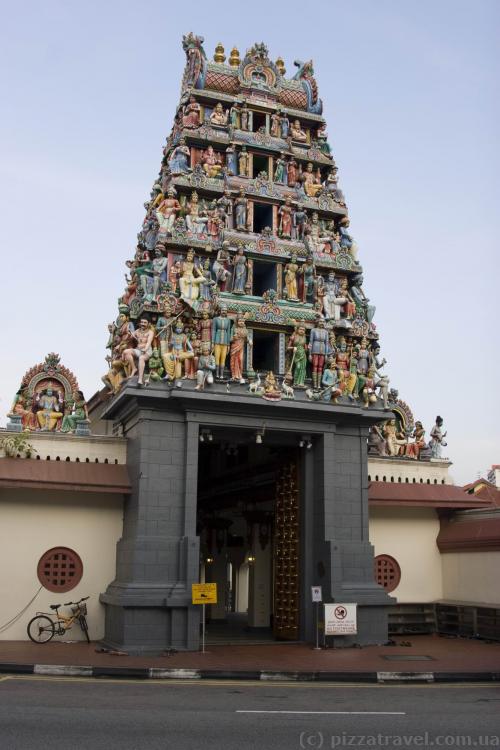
(45, 625)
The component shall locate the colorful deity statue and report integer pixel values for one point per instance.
(414, 449)
(49, 405)
(155, 365)
(394, 438)
(347, 365)
(234, 115)
(346, 241)
(437, 438)
(77, 412)
(331, 386)
(205, 367)
(211, 162)
(308, 272)
(21, 408)
(174, 272)
(291, 270)
(275, 129)
(191, 117)
(280, 170)
(312, 182)
(244, 163)
(179, 349)
(241, 211)
(191, 363)
(299, 222)
(237, 349)
(285, 213)
(297, 344)
(221, 267)
(225, 208)
(205, 327)
(221, 339)
(245, 117)
(333, 302)
(231, 160)
(167, 211)
(190, 279)
(272, 392)
(180, 160)
(218, 116)
(319, 349)
(361, 300)
(297, 133)
(141, 352)
(239, 263)
(195, 221)
(284, 125)
(292, 173)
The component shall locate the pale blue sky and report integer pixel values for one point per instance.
(410, 89)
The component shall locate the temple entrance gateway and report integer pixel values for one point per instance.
(248, 525)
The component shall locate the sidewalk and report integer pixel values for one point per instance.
(425, 658)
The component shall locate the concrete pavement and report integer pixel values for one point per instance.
(424, 658)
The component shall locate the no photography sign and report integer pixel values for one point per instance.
(340, 619)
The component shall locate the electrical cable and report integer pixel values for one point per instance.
(11, 622)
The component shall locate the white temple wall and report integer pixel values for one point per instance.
(472, 577)
(409, 535)
(33, 522)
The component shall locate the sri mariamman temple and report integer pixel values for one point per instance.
(246, 399)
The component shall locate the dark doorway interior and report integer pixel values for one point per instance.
(262, 217)
(243, 535)
(260, 164)
(259, 121)
(265, 351)
(264, 277)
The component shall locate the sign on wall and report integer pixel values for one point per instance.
(316, 594)
(340, 619)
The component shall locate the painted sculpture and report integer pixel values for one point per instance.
(245, 230)
(49, 400)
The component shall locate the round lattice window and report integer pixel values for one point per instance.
(60, 569)
(387, 572)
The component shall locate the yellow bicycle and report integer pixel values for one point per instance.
(45, 625)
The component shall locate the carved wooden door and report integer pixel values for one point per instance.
(286, 555)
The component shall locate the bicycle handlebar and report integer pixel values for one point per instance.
(83, 599)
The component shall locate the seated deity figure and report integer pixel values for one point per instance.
(142, 352)
(218, 116)
(190, 279)
(78, 412)
(346, 241)
(195, 222)
(205, 368)
(297, 133)
(314, 236)
(49, 414)
(179, 350)
(191, 115)
(211, 162)
(312, 181)
(333, 301)
(19, 407)
(179, 161)
(167, 211)
(418, 435)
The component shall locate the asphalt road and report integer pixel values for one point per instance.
(82, 714)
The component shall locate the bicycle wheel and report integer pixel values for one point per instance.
(41, 629)
(84, 627)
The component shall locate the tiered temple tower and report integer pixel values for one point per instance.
(244, 318)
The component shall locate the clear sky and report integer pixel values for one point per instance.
(410, 91)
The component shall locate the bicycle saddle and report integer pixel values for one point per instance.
(54, 606)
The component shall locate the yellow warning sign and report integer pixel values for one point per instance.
(204, 593)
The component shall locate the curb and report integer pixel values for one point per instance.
(158, 673)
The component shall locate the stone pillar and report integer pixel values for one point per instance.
(217, 573)
(148, 605)
(335, 526)
(259, 586)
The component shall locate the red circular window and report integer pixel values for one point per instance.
(60, 569)
(387, 572)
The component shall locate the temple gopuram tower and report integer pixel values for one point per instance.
(244, 370)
